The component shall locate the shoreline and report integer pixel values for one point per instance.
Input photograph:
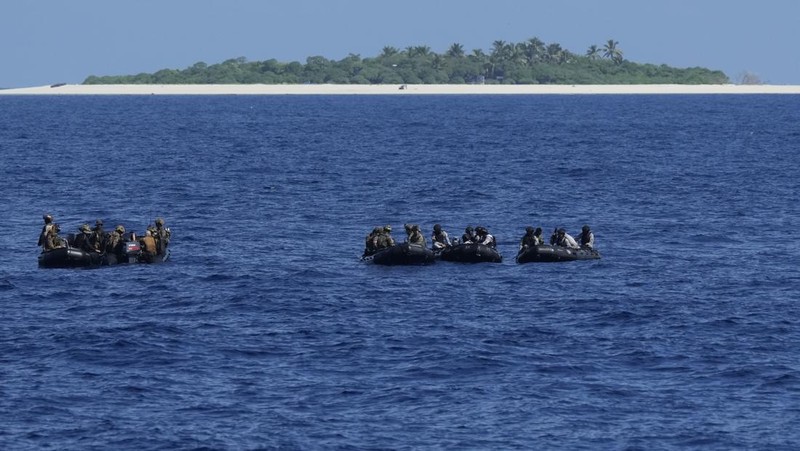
(395, 89)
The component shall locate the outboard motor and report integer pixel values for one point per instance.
(131, 250)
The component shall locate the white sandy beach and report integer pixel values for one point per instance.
(309, 89)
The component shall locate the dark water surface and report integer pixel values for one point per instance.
(265, 330)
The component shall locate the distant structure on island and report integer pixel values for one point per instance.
(529, 62)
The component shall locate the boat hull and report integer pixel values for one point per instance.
(69, 257)
(546, 253)
(72, 257)
(403, 254)
(471, 253)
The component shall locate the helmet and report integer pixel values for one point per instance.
(387, 228)
(377, 230)
(415, 228)
(585, 228)
(85, 228)
(119, 229)
(529, 229)
(98, 222)
(561, 231)
(56, 227)
(48, 218)
(437, 228)
(469, 229)
(159, 221)
(538, 231)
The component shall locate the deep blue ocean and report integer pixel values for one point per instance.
(265, 330)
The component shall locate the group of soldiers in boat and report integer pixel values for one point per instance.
(97, 240)
(559, 237)
(381, 238)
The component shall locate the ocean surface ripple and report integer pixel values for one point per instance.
(266, 331)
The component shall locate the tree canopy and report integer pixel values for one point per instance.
(529, 62)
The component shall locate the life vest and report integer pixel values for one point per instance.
(149, 245)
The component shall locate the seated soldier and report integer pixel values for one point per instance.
(416, 237)
(52, 240)
(565, 240)
(98, 236)
(385, 238)
(439, 239)
(529, 239)
(371, 241)
(469, 235)
(83, 240)
(149, 249)
(115, 240)
(554, 237)
(538, 235)
(586, 237)
(483, 236)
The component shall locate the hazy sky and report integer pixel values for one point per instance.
(50, 41)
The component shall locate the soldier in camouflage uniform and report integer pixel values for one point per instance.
(115, 240)
(161, 236)
(98, 236)
(83, 240)
(385, 238)
(416, 237)
(371, 241)
(52, 240)
(439, 239)
(149, 248)
(530, 238)
(48, 224)
(469, 235)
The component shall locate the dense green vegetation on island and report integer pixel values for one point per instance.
(529, 62)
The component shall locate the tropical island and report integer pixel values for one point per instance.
(532, 62)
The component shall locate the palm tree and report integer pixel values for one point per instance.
(531, 51)
(535, 49)
(389, 51)
(479, 57)
(478, 53)
(522, 51)
(593, 53)
(516, 54)
(498, 57)
(611, 51)
(456, 51)
(555, 53)
(422, 50)
(438, 62)
(499, 49)
(418, 50)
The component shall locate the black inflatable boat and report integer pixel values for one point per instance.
(402, 254)
(471, 253)
(69, 257)
(72, 257)
(548, 253)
